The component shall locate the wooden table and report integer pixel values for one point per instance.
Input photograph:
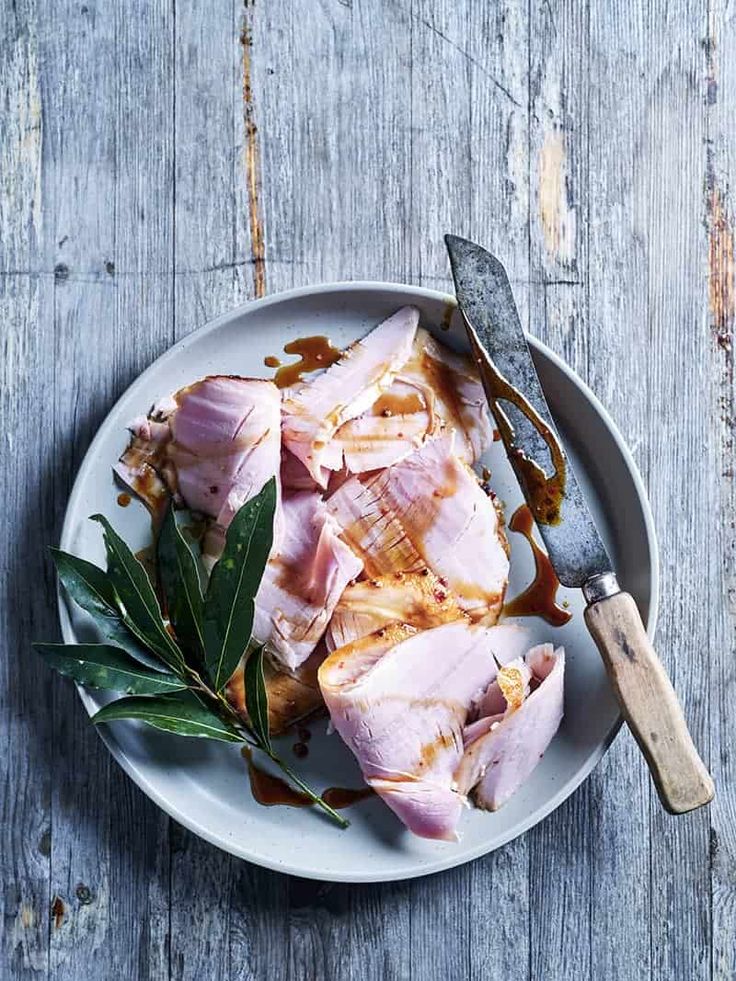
(163, 161)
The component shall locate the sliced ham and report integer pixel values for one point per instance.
(314, 412)
(304, 579)
(428, 510)
(415, 598)
(522, 710)
(214, 444)
(399, 698)
(294, 475)
(436, 389)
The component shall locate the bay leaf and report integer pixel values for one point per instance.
(229, 603)
(136, 598)
(92, 590)
(103, 666)
(179, 578)
(183, 713)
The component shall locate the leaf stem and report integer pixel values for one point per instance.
(315, 798)
(227, 712)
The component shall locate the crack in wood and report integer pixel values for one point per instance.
(252, 160)
(468, 57)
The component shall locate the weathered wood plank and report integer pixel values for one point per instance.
(672, 213)
(720, 210)
(440, 202)
(334, 206)
(107, 220)
(29, 508)
(213, 273)
(619, 92)
(469, 175)
(559, 131)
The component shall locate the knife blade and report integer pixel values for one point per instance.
(577, 553)
(570, 534)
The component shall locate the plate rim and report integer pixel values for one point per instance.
(232, 847)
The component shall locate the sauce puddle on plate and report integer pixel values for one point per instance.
(314, 353)
(540, 597)
(341, 797)
(270, 790)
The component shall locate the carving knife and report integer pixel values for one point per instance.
(645, 694)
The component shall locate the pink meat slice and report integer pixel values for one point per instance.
(504, 747)
(436, 389)
(304, 579)
(314, 412)
(294, 476)
(399, 698)
(214, 444)
(415, 598)
(428, 510)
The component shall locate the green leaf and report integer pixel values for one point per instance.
(92, 590)
(228, 608)
(102, 666)
(183, 713)
(136, 598)
(177, 568)
(256, 698)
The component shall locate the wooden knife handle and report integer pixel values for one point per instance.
(649, 703)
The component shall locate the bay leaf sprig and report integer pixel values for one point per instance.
(173, 659)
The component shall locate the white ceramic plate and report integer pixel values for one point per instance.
(204, 785)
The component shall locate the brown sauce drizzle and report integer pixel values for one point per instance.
(314, 353)
(393, 404)
(544, 494)
(540, 597)
(124, 500)
(443, 380)
(270, 790)
(342, 797)
(271, 361)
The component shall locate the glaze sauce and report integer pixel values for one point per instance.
(544, 494)
(270, 790)
(393, 404)
(314, 353)
(124, 500)
(342, 797)
(540, 597)
(271, 361)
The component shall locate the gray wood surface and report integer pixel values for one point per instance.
(162, 161)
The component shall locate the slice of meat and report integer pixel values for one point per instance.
(415, 598)
(396, 424)
(428, 510)
(436, 389)
(303, 581)
(214, 444)
(314, 412)
(455, 392)
(504, 747)
(399, 698)
(292, 696)
(294, 475)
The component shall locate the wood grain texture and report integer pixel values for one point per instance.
(161, 162)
